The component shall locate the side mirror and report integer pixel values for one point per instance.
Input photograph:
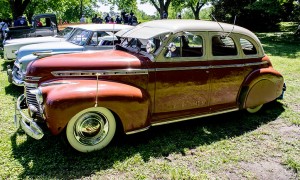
(172, 47)
(150, 47)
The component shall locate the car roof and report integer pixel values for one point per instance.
(154, 28)
(101, 27)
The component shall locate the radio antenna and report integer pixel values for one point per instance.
(218, 22)
(232, 26)
(96, 103)
(113, 35)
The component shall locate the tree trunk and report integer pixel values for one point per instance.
(196, 10)
(18, 7)
(80, 8)
(161, 7)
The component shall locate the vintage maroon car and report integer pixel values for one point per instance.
(163, 71)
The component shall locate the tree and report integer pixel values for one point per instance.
(194, 5)
(18, 7)
(160, 5)
(4, 11)
(124, 5)
(250, 14)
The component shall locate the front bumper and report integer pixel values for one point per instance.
(13, 78)
(30, 127)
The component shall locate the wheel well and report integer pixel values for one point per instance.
(120, 127)
(242, 96)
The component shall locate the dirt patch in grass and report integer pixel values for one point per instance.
(268, 160)
(261, 170)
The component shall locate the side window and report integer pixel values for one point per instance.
(223, 46)
(248, 47)
(187, 45)
(94, 40)
(43, 22)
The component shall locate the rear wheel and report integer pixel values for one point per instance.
(91, 129)
(254, 109)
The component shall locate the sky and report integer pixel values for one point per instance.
(147, 8)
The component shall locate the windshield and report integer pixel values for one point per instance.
(65, 33)
(139, 45)
(80, 37)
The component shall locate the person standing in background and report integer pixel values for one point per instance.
(82, 19)
(118, 20)
(94, 19)
(107, 18)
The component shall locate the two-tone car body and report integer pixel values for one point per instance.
(83, 38)
(164, 71)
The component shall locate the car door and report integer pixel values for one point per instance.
(181, 80)
(226, 71)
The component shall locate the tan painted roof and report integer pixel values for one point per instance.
(151, 29)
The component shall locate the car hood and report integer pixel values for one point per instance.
(51, 47)
(33, 40)
(84, 62)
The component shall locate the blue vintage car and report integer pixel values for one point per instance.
(91, 37)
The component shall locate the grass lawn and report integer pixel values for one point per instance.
(236, 145)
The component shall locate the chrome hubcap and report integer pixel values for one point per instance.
(91, 128)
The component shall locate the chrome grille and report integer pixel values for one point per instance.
(31, 98)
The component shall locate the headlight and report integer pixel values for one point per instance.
(38, 94)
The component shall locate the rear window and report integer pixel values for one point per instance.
(248, 47)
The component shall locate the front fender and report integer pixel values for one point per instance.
(63, 101)
(261, 86)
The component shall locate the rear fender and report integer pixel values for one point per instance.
(260, 86)
(63, 101)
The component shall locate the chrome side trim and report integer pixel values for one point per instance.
(182, 68)
(208, 67)
(56, 83)
(195, 117)
(257, 63)
(42, 53)
(32, 78)
(138, 130)
(100, 72)
(179, 120)
(142, 71)
(31, 85)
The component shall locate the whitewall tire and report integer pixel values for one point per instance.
(254, 109)
(91, 129)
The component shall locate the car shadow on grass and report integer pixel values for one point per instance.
(13, 90)
(50, 158)
(4, 65)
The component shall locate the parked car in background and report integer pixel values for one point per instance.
(11, 46)
(163, 71)
(84, 38)
(46, 27)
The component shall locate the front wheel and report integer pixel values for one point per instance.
(91, 129)
(254, 109)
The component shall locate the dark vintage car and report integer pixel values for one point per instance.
(49, 28)
(163, 71)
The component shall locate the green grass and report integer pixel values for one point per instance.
(235, 145)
